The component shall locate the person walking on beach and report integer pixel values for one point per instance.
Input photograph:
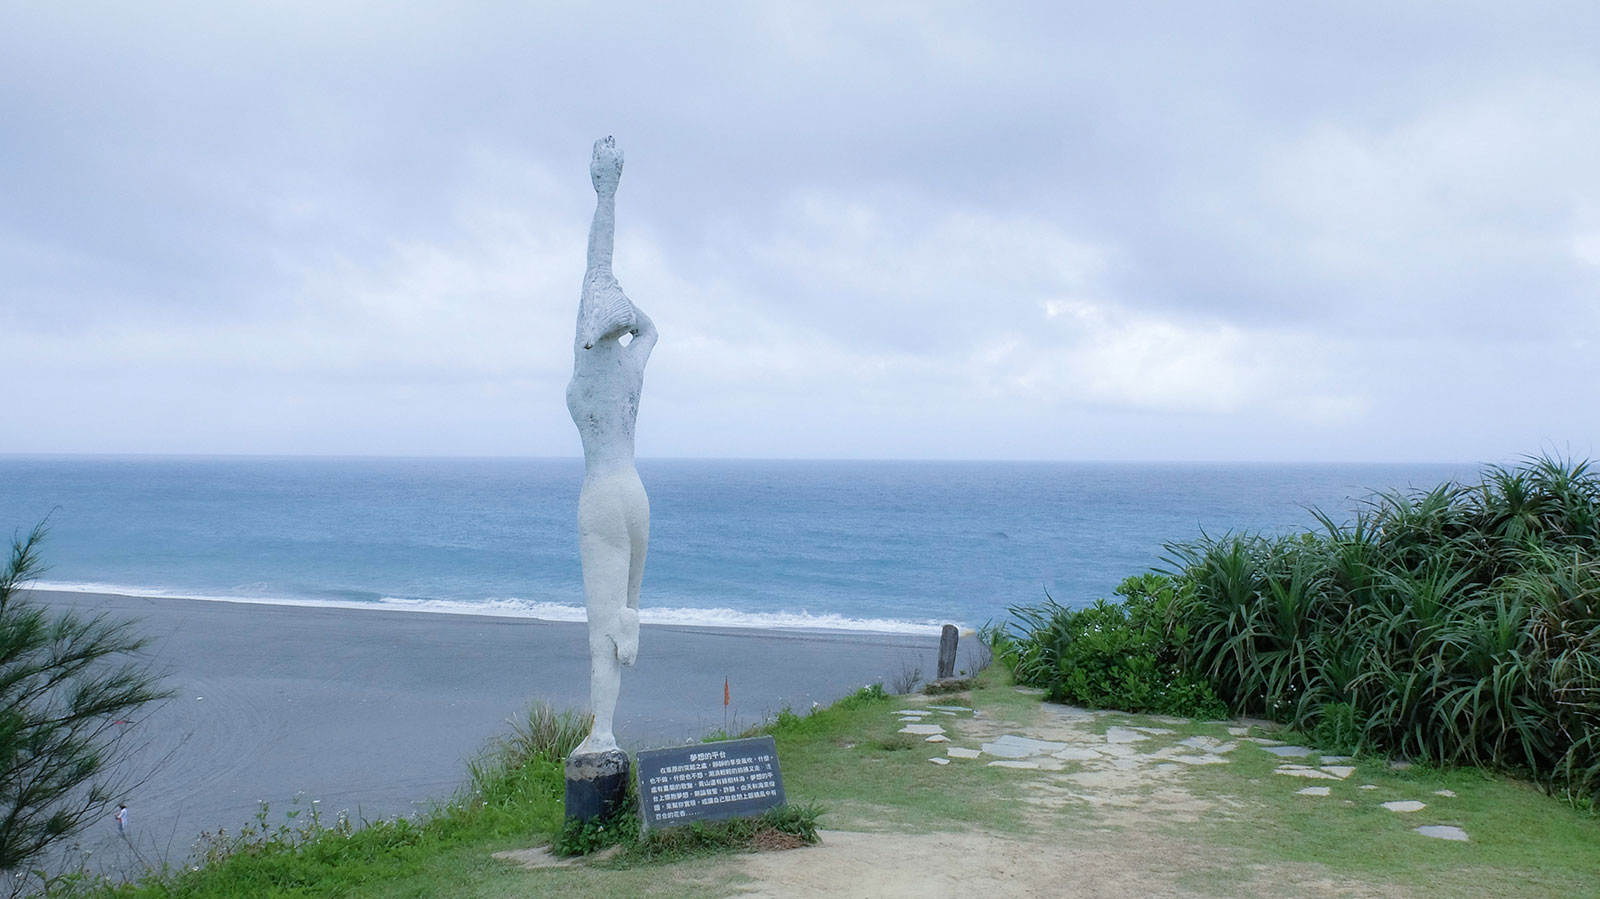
(612, 346)
(122, 819)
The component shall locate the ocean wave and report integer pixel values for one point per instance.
(542, 611)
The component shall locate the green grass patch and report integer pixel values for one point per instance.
(1521, 842)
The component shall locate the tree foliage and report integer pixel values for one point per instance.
(67, 685)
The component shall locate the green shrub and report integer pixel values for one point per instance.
(1110, 655)
(861, 698)
(1338, 728)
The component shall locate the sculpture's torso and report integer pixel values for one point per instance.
(603, 397)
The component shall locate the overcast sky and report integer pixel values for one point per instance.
(1266, 231)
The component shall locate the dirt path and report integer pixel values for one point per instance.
(1126, 785)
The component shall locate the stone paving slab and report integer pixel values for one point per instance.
(1124, 735)
(1207, 759)
(1007, 750)
(1443, 832)
(1302, 771)
(1405, 805)
(957, 752)
(1013, 763)
(1290, 752)
(1208, 744)
(922, 729)
(1036, 747)
(1314, 791)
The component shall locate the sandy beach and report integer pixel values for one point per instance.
(377, 712)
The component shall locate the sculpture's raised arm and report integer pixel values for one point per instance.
(605, 170)
(604, 312)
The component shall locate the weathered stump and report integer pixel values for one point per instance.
(947, 651)
(597, 784)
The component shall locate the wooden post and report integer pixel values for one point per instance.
(947, 651)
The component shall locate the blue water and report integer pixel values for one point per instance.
(898, 546)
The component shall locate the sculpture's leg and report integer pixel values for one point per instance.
(605, 573)
(639, 539)
(605, 683)
(597, 771)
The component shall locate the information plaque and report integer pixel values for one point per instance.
(728, 779)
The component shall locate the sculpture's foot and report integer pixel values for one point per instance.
(597, 783)
(596, 744)
(628, 645)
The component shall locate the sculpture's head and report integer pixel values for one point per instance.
(607, 314)
(605, 167)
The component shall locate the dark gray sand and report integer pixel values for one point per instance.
(377, 712)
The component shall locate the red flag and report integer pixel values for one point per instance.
(727, 697)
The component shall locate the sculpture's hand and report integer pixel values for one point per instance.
(605, 167)
(644, 337)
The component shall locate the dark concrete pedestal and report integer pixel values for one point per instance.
(597, 784)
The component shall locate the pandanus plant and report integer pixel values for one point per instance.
(1458, 624)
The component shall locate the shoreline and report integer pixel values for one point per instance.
(658, 616)
(377, 711)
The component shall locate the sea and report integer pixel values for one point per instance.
(880, 546)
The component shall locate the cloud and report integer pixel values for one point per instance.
(905, 229)
(1447, 220)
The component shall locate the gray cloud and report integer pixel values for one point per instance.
(1253, 231)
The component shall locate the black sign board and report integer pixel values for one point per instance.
(729, 779)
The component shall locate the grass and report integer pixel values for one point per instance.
(851, 761)
(1522, 843)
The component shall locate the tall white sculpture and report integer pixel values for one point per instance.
(613, 344)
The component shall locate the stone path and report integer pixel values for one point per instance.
(1122, 755)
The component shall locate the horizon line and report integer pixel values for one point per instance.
(7, 455)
